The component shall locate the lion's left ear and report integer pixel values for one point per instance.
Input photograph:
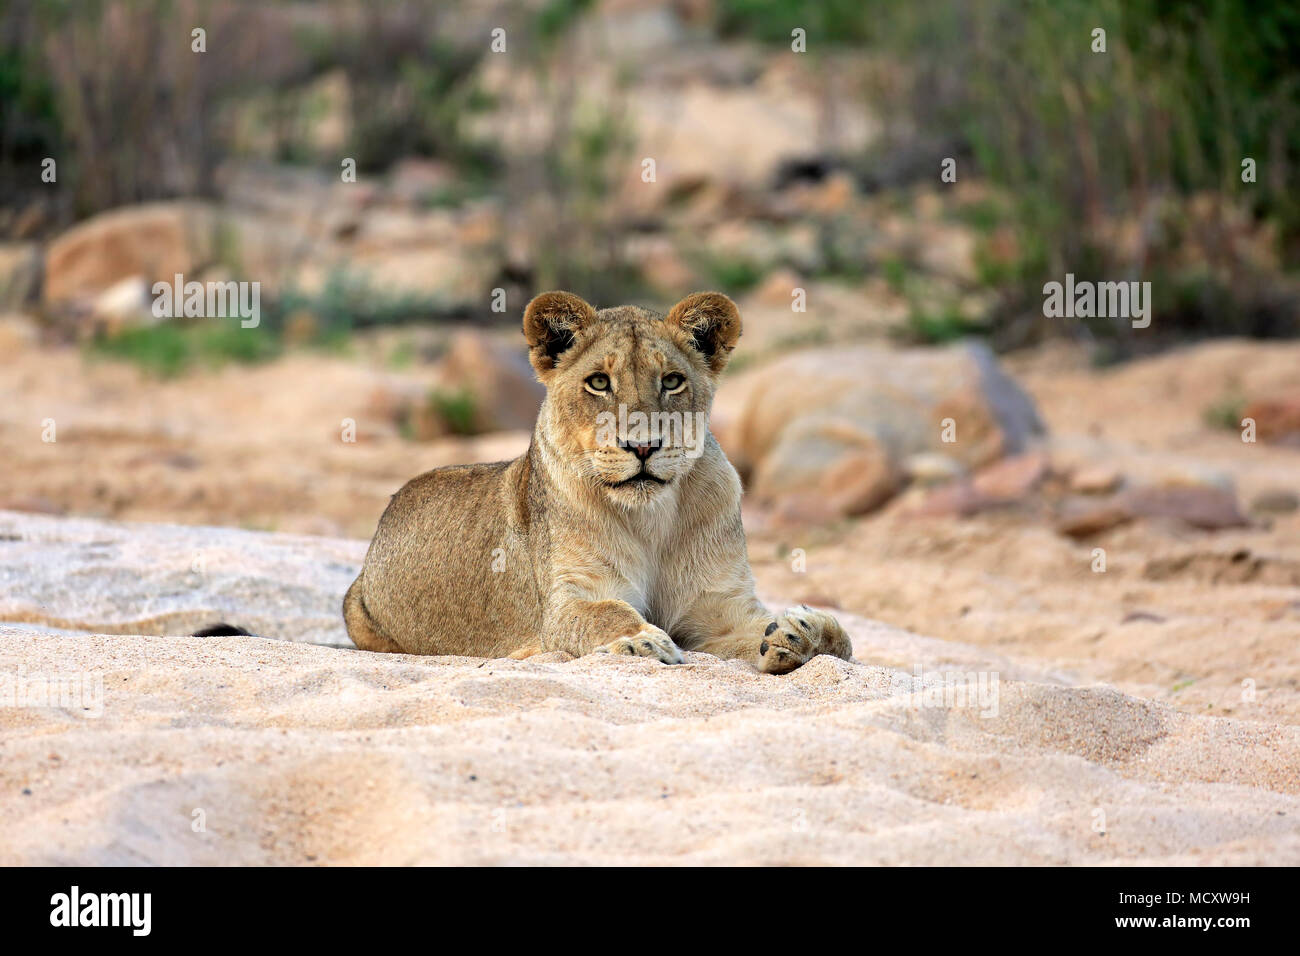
(711, 323)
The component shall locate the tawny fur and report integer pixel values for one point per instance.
(548, 553)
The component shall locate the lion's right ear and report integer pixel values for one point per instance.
(551, 321)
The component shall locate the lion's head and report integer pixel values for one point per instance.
(628, 390)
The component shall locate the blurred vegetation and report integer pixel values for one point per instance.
(172, 348)
(1082, 141)
(456, 408)
(348, 301)
(559, 195)
(837, 22)
(937, 327)
(1087, 145)
(323, 319)
(1125, 164)
(736, 274)
(135, 115)
(1226, 412)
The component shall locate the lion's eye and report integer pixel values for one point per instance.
(673, 381)
(598, 382)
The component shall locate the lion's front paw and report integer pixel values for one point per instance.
(650, 641)
(799, 635)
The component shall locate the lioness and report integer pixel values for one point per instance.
(606, 536)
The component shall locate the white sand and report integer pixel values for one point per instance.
(301, 753)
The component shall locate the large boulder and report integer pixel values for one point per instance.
(156, 241)
(82, 574)
(830, 432)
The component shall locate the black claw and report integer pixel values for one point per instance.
(762, 648)
(770, 628)
(795, 640)
(790, 636)
(802, 622)
(647, 645)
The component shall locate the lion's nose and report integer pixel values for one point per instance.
(642, 449)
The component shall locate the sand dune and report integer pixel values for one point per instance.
(296, 753)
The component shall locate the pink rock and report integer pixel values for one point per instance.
(1277, 418)
(1012, 478)
(1096, 480)
(1203, 507)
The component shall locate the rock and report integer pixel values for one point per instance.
(123, 305)
(812, 479)
(958, 499)
(1005, 482)
(932, 468)
(504, 390)
(1207, 508)
(1012, 478)
(1184, 474)
(450, 276)
(1277, 417)
(837, 426)
(1083, 519)
(169, 579)
(736, 133)
(1095, 480)
(1279, 501)
(20, 274)
(155, 241)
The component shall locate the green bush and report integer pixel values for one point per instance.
(457, 408)
(171, 349)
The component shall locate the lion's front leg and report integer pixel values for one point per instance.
(778, 645)
(650, 641)
(799, 635)
(606, 627)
